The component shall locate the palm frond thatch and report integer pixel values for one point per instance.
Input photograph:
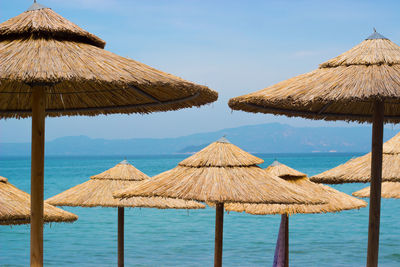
(343, 88)
(40, 47)
(389, 190)
(358, 170)
(97, 192)
(15, 207)
(211, 178)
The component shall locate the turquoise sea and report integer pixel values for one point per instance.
(186, 238)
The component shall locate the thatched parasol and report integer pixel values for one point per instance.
(220, 173)
(15, 207)
(336, 201)
(358, 170)
(52, 67)
(389, 190)
(97, 192)
(284, 171)
(362, 84)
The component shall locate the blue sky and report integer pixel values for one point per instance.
(234, 47)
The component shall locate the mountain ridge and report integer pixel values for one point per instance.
(260, 138)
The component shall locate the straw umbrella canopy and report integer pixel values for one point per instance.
(52, 67)
(389, 190)
(15, 207)
(220, 173)
(362, 84)
(335, 201)
(358, 170)
(97, 192)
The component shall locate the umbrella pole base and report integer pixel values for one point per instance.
(376, 185)
(219, 229)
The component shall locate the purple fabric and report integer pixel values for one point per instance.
(279, 258)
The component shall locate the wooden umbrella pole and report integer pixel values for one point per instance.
(376, 185)
(281, 256)
(120, 236)
(219, 229)
(286, 218)
(37, 174)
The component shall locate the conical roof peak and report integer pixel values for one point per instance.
(122, 171)
(42, 22)
(283, 171)
(36, 6)
(124, 162)
(275, 163)
(223, 140)
(376, 35)
(221, 153)
(375, 50)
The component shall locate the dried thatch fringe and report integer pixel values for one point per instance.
(389, 190)
(336, 200)
(216, 183)
(42, 48)
(15, 207)
(97, 192)
(358, 170)
(343, 88)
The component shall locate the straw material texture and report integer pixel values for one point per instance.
(121, 171)
(97, 192)
(343, 88)
(283, 171)
(40, 48)
(15, 207)
(219, 176)
(220, 154)
(358, 170)
(336, 201)
(46, 22)
(389, 190)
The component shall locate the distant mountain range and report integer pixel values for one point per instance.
(263, 138)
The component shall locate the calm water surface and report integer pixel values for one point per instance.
(186, 238)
